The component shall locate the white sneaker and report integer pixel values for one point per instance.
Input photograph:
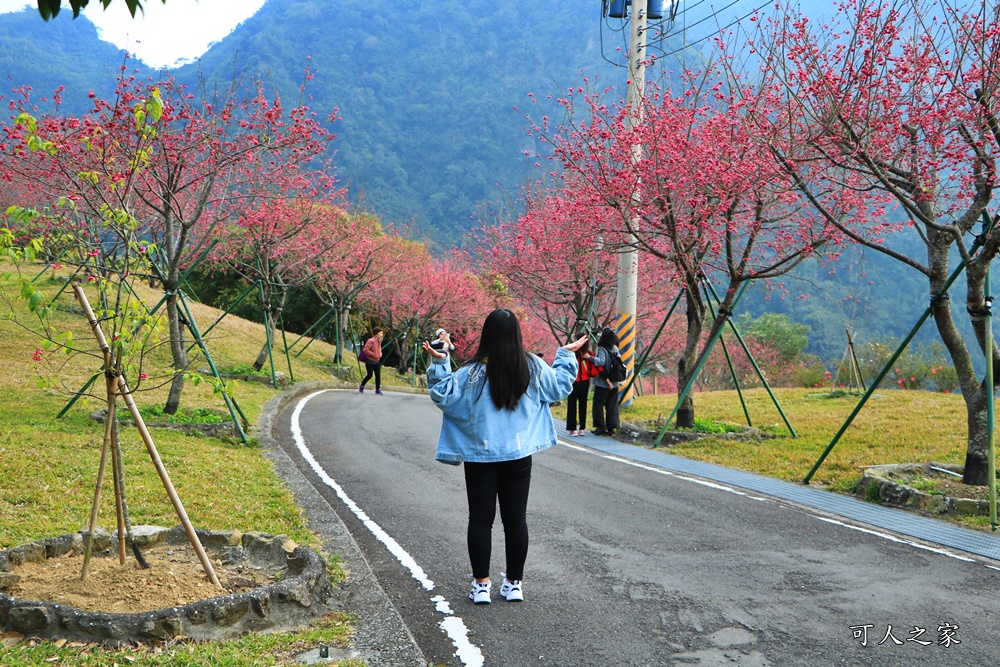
(512, 591)
(480, 593)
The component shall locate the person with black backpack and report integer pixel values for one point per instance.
(611, 373)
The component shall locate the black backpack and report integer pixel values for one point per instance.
(615, 371)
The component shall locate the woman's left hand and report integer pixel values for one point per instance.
(575, 345)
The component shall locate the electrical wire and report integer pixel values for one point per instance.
(672, 20)
(723, 28)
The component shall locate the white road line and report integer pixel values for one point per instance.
(886, 536)
(453, 626)
(662, 471)
(892, 538)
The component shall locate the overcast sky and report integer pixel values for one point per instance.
(168, 33)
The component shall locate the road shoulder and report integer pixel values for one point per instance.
(381, 638)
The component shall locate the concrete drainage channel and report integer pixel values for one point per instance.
(301, 593)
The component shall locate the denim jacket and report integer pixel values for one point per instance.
(602, 358)
(474, 430)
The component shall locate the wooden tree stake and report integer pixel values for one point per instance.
(148, 440)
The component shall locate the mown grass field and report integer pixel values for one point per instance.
(893, 427)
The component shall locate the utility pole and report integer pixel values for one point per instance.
(628, 260)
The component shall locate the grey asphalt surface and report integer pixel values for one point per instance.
(627, 565)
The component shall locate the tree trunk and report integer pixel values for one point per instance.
(178, 349)
(263, 354)
(695, 312)
(976, 455)
(973, 391)
(271, 323)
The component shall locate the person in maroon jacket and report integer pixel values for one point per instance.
(372, 352)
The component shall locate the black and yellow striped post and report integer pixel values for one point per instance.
(625, 330)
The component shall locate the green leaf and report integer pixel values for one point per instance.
(154, 106)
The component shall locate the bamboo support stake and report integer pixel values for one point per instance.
(116, 469)
(88, 549)
(109, 392)
(150, 445)
(165, 478)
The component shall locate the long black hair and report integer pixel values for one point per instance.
(502, 350)
(608, 339)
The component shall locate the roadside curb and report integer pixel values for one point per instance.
(381, 637)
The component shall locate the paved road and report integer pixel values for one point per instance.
(629, 565)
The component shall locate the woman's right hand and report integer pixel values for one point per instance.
(437, 354)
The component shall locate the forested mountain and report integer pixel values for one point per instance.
(426, 90)
(61, 52)
(427, 94)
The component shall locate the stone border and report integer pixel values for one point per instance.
(893, 493)
(302, 594)
(634, 434)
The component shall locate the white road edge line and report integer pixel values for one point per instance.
(886, 536)
(892, 538)
(452, 625)
(668, 473)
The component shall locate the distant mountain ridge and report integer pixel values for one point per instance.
(426, 90)
(61, 52)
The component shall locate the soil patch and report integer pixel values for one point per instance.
(175, 577)
(939, 483)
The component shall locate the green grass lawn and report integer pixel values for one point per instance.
(893, 427)
(49, 467)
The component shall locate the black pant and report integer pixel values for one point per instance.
(507, 481)
(606, 408)
(577, 405)
(376, 370)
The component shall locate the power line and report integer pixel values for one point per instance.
(723, 28)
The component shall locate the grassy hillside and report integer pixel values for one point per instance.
(49, 467)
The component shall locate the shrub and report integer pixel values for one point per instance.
(923, 366)
(810, 372)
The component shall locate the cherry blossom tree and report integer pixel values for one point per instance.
(159, 164)
(357, 252)
(551, 261)
(420, 293)
(694, 184)
(894, 104)
(267, 247)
